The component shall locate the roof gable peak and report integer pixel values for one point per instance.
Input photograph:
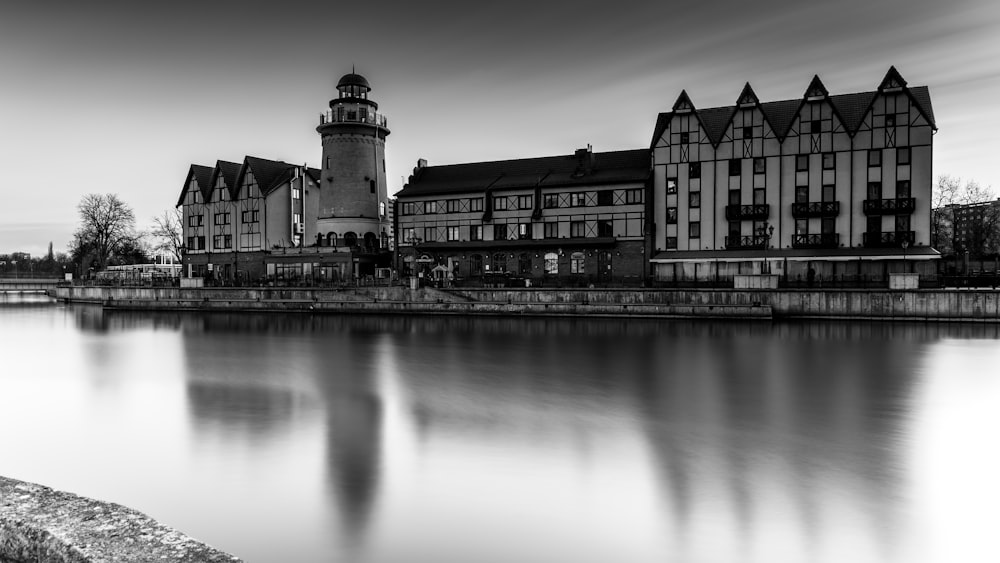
(747, 97)
(683, 103)
(892, 81)
(816, 90)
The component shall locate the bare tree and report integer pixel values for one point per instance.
(168, 233)
(966, 217)
(107, 225)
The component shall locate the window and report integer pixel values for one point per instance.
(250, 216)
(902, 223)
(329, 162)
(524, 202)
(430, 234)
(577, 229)
(453, 205)
(476, 264)
(734, 197)
(500, 232)
(296, 218)
(222, 218)
(694, 170)
(499, 203)
(759, 196)
(550, 201)
(734, 167)
(903, 156)
(748, 132)
(671, 243)
(694, 229)
(381, 209)
(801, 194)
(635, 196)
(903, 188)
(551, 263)
(476, 204)
(759, 165)
(576, 263)
(371, 186)
(802, 226)
(605, 197)
(671, 215)
(524, 264)
(671, 185)
(874, 224)
(578, 199)
(498, 262)
(222, 242)
(605, 229)
(430, 207)
(524, 231)
(890, 120)
(452, 233)
(829, 193)
(551, 229)
(827, 225)
(408, 209)
(196, 243)
(476, 232)
(409, 235)
(694, 199)
(874, 190)
(296, 193)
(801, 163)
(874, 157)
(828, 161)
(685, 138)
(815, 126)
(196, 220)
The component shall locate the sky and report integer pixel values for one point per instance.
(122, 96)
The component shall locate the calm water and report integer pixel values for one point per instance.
(379, 439)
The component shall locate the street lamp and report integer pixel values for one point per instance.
(414, 280)
(766, 231)
(906, 243)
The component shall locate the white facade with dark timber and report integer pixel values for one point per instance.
(826, 187)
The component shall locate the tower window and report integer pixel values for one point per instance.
(371, 186)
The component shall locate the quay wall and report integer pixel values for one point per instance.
(883, 304)
(41, 524)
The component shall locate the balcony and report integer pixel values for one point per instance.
(748, 242)
(890, 239)
(896, 206)
(815, 209)
(818, 240)
(747, 212)
(365, 117)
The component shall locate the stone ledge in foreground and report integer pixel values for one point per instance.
(39, 524)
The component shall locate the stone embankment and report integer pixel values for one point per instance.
(39, 524)
(866, 304)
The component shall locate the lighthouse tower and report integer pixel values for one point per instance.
(353, 197)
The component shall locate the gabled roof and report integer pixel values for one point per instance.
(851, 109)
(565, 170)
(269, 173)
(228, 170)
(203, 176)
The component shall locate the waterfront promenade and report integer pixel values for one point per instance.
(982, 305)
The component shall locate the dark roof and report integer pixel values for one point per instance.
(850, 108)
(564, 170)
(203, 176)
(353, 79)
(269, 173)
(228, 170)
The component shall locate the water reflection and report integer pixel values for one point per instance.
(385, 439)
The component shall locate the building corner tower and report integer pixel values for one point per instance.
(353, 196)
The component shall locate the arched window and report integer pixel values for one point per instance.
(576, 263)
(476, 264)
(524, 264)
(498, 262)
(551, 263)
(371, 241)
(350, 238)
(331, 239)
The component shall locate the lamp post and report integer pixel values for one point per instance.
(414, 279)
(906, 244)
(766, 231)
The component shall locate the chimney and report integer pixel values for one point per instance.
(584, 161)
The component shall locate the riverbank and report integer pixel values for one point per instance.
(41, 524)
(866, 304)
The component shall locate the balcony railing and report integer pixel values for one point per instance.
(366, 117)
(888, 239)
(896, 206)
(816, 240)
(747, 212)
(746, 242)
(815, 209)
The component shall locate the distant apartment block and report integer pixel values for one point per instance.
(828, 186)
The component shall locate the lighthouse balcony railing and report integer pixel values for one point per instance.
(369, 118)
